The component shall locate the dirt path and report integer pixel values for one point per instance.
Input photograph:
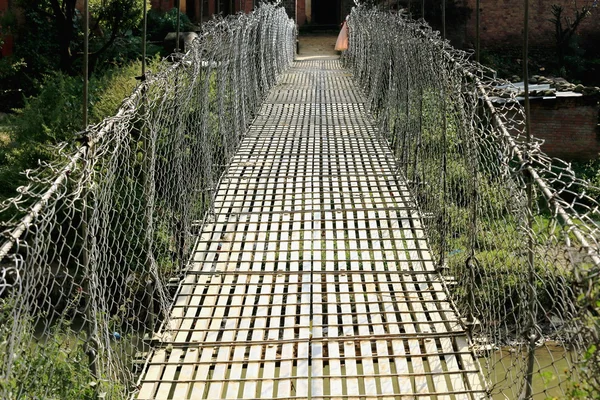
(317, 46)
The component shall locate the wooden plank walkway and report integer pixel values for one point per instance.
(314, 279)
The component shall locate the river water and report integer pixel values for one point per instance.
(552, 365)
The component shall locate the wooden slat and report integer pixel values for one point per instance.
(336, 383)
(404, 384)
(286, 387)
(380, 327)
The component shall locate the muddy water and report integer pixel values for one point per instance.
(551, 367)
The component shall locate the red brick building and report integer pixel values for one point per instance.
(319, 12)
(568, 126)
(502, 21)
(7, 39)
(204, 9)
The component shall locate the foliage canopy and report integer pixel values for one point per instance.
(109, 20)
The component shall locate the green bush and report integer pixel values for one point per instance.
(50, 368)
(35, 54)
(161, 23)
(11, 72)
(123, 52)
(114, 87)
(55, 115)
(589, 171)
(52, 365)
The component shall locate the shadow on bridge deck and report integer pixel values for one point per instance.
(313, 280)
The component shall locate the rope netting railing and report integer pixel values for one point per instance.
(515, 233)
(96, 243)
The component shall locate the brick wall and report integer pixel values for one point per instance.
(291, 6)
(163, 5)
(568, 126)
(7, 47)
(248, 6)
(502, 22)
(209, 5)
(301, 12)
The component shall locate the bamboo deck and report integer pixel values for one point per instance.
(314, 279)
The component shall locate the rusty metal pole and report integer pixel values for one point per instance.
(148, 146)
(528, 386)
(478, 30)
(144, 34)
(178, 26)
(201, 13)
(444, 228)
(444, 19)
(91, 344)
(86, 61)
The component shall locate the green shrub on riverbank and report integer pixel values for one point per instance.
(55, 116)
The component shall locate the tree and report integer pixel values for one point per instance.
(566, 27)
(110, 19)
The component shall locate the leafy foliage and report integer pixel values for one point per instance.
(110, 20)
(161, 23)
(54, 116)
(568, 52)
(55, 364)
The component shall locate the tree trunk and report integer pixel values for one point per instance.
(65, 35)
(64, 21)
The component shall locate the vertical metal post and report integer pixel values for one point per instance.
(415, 176)
(526, 70)
(471, 262)
(91, 345)
(423, 9)
(86, 60)
(528, 387)
(407, 128)
(410, 9)
(148, 146)
(178, 29)
(477, 30)
(144, 37)
(444, 230)
(444, 19)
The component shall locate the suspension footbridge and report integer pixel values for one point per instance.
(313, 279)
(250, 226)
